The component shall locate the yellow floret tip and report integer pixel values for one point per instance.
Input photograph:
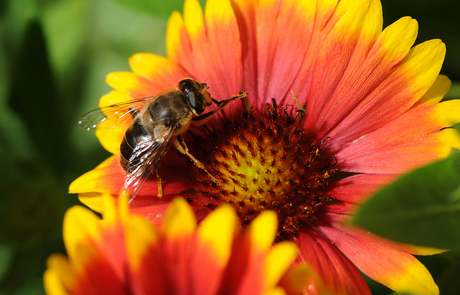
(80, 224)
(139, 235)
(397, 39)
(220, 10)
(276, 291)
(193, 18)
(263, 230)
(173, 33)
(179, 219)
(218, 229)
(278, 261)
(437, 91)
(58, 275)
(415, 280)
(110, 210)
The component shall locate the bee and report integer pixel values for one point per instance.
(157, 122)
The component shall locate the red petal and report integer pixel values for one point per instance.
(379, 260)
(337, 272)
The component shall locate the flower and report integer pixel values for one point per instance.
(353, 108)
(125, 254)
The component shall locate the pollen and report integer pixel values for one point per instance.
(265, 160)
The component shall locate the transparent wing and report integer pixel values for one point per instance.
(112, 115)
(145, 159)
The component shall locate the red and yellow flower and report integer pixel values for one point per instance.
(125, 254)
(337, 108)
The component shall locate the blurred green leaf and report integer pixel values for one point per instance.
(159, 8)
(66, 29)
(33, 287)
(6, 257)
(454, 91)
(33, 96)
(13, 133)
(14, 21)
(449, 283)
(420, 208)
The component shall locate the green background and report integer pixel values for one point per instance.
(54, 56)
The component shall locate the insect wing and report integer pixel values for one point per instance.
(113, 115)
(144, 159)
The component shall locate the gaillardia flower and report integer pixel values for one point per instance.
(336, 108)
(125, 254)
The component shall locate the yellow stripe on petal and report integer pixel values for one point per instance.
(173, 34)
(58, 275)
(296, 279)
(87, 182)
(52, 283)
(373, 22)
(423, 64)
(416, 279)
(85, 255)
(151, 65)
(193, 18)
(362, 17)
(437, 91)
(123, 206)
(323, 7)
(262, 230)
(267, 3)
(93, 201)
(179, 219)
(110, 137)
(218, 229)
(447, 113)
(278, 261)
(110, 210)
(276, 291)
(450, 139)
(127, 82)
(80, 224)
(220, 10)
(114, 97)
(139, 235)
(397, 39)
(419, 250)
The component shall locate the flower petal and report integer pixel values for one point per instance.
(263, 230)
(372, 83)
(111, 132)
(163, 73)
(109, 177)
(218, 230)
(208, 47)
(395, 269)
(279, 259)
(398, 146)
(437, 91)
(58, 275)
(136, 86)
(338, 274)
(179, 220)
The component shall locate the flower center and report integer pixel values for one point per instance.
(265, 160)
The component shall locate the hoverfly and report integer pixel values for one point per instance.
(157, 122)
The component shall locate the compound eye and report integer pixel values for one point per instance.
(186, 85)
(197, 101)
(192, 92)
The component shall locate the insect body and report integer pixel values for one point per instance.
(156, 123)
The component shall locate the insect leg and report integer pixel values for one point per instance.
(221, 105)
(181, 147)
(160, 188)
